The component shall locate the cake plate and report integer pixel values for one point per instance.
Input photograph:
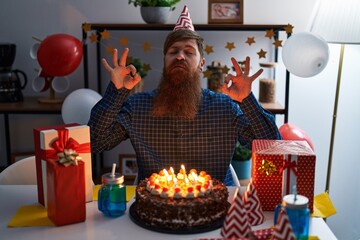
(188, 230)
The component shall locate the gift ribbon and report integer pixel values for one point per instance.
(291, 166)
(64, 142)
(267, 167)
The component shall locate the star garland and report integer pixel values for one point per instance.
(209, 49)
(230, 45)
(250, 40)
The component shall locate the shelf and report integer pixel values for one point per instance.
(274, 108)
(206, 27)
(30, 105)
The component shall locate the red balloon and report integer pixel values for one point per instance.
(60, 54)
(291, 132)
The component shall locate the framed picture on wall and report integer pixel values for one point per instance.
(226, 11)
(128, 166)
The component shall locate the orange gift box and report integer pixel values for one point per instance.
(45, 138)
(65, 193)
(277, 165)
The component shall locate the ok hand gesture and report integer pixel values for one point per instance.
(122, 75)
(240, 86)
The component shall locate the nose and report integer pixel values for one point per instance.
(180, 56)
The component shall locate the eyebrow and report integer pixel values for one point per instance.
(185, 47)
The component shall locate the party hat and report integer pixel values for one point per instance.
(184, 21)
(236, 224)
(283, 229)
(252, 205)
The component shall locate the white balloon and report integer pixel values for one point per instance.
(305, 54)
(77, 106)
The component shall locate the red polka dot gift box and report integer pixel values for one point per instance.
(278, 165)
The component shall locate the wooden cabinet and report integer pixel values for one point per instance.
(275, 108)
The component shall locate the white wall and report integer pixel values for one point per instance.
(311, 100)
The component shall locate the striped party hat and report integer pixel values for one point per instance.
(184, 21)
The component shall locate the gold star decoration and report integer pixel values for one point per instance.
(230, 45)
(270, 33)
(146, 46)
(123, 41)
(110, 49)
(105, 34)
(277, 43)
(93, 38)
(262, 53)
(250, 40)
(207, 73)
(86, 27)
(208, 49)
(288, 29)
(225, 69)
(146, 67)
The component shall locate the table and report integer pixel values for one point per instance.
(98, 226)
(30, 105)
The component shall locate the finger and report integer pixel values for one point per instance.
(225, 89)
(228, 78)
(115, 58)
(257, 74)
(236, 66)
(136, 78)
(132, 69)
(247, 66)
(106, 65)
(124, 57)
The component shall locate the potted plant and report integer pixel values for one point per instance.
(241, 161)
(155, 11)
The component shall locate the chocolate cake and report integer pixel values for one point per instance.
(167, 206)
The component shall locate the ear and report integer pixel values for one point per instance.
(202, 63)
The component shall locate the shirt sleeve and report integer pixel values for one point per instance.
(261, 122)
(105, 131)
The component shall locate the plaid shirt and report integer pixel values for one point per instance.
(204, 143)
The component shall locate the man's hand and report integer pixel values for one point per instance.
(122, 75)
(240, 86)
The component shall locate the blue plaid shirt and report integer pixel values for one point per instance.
(204, 143)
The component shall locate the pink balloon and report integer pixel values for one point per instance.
(59, 54)
(291, 132)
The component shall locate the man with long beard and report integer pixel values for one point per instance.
(179, 122)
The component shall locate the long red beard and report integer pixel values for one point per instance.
(179, 94)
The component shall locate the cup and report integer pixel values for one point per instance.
(60, 84)
(40, 84)
(296, 207)
(112, 195)
(33, 50)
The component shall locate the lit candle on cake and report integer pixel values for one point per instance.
(183, 170)
(195, 177)
(175, 182)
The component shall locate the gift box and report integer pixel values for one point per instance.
(65, 193)
(49, 141)
(277, 165)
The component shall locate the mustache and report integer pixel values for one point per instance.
(178, 64)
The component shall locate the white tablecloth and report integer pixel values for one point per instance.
(99, 227)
